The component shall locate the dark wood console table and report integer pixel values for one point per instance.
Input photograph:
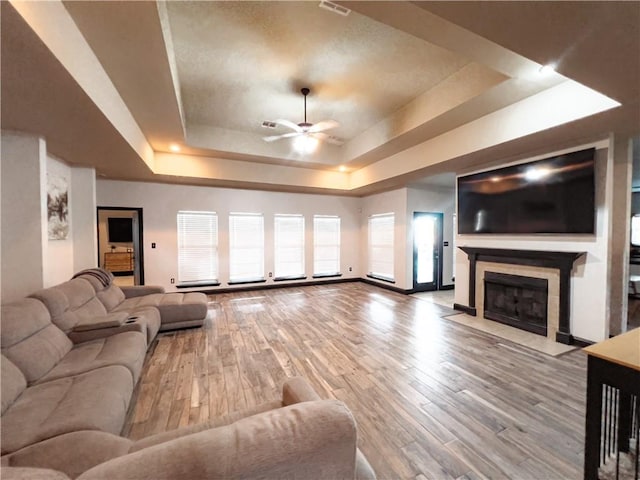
(613, 401)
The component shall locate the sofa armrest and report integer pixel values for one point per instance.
(141, 290)
(296, 390)
(305, 440)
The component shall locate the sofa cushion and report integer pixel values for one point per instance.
(173, 307)
(71, 453)
(13, 382)
(96, 400)
(28, 473)
(70, 302)
(110, 295)
(30, 340)
(126, 349)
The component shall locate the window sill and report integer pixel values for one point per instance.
(293, 277)
(327, 275)
(207, 283)
(380, 277)
(244, 282)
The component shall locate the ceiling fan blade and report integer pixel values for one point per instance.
(289, 124)
(326, 138)
(273, 138)
(324, 125)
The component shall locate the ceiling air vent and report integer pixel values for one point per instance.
(334, 7)
(267, 124)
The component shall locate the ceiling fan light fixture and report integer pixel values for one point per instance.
(305, 144)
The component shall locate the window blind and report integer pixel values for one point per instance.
(246, 247)
(381, 233)
(326, 245)
(289, 246)
(197, 246)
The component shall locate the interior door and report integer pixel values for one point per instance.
(427, 251)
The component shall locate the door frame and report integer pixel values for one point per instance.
(417, 287)
(139, 256)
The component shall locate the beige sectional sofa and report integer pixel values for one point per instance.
(71, 357)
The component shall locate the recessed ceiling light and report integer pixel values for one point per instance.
(174, 147)
(342, 168)
(547, 70)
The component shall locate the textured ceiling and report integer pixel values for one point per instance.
(240, 63)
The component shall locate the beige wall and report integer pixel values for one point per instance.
(589, 286)
(161, 203)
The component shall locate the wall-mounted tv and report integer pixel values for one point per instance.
(120, 230)
(554, 195)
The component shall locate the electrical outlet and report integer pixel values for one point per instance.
(350, 269)
(153, 245)
(173, 280)
(270, 274)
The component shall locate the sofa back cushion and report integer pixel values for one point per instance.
(30, 340)
(13, 382)
(110, 295)
(71, 302)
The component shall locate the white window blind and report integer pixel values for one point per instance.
(197, 247)
(289, 246)
(246, 247)
(381, 232)
(326, 245)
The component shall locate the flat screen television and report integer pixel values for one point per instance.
(554, 195)
(120, 230)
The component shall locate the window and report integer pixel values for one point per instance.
(635, 230)
(289, 246)
(326, 245)
(381, 233)
(197, 247)
(246, 247)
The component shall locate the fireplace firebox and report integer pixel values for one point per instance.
(517, 301)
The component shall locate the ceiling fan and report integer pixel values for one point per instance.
(305, 130)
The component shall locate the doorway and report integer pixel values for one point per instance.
(120, 245)
(427, 251)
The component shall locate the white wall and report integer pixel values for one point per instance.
(394, 202)
(589, 286)
(30, 261)
(433, 200)
(161, 203)
(83, 213)
(23, 214)
(59, 253)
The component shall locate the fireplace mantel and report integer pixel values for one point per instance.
(562, 261)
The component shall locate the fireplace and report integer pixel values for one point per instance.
(517, 301)
(552, 266)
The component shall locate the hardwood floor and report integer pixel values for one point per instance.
(433, 399)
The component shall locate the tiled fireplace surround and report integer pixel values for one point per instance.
(555, 267)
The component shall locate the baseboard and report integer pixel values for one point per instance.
(319, 281)
(581, 342)
(386, 286)
(262, 286)
(463, 308)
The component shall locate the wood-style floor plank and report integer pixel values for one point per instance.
(433, 399)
